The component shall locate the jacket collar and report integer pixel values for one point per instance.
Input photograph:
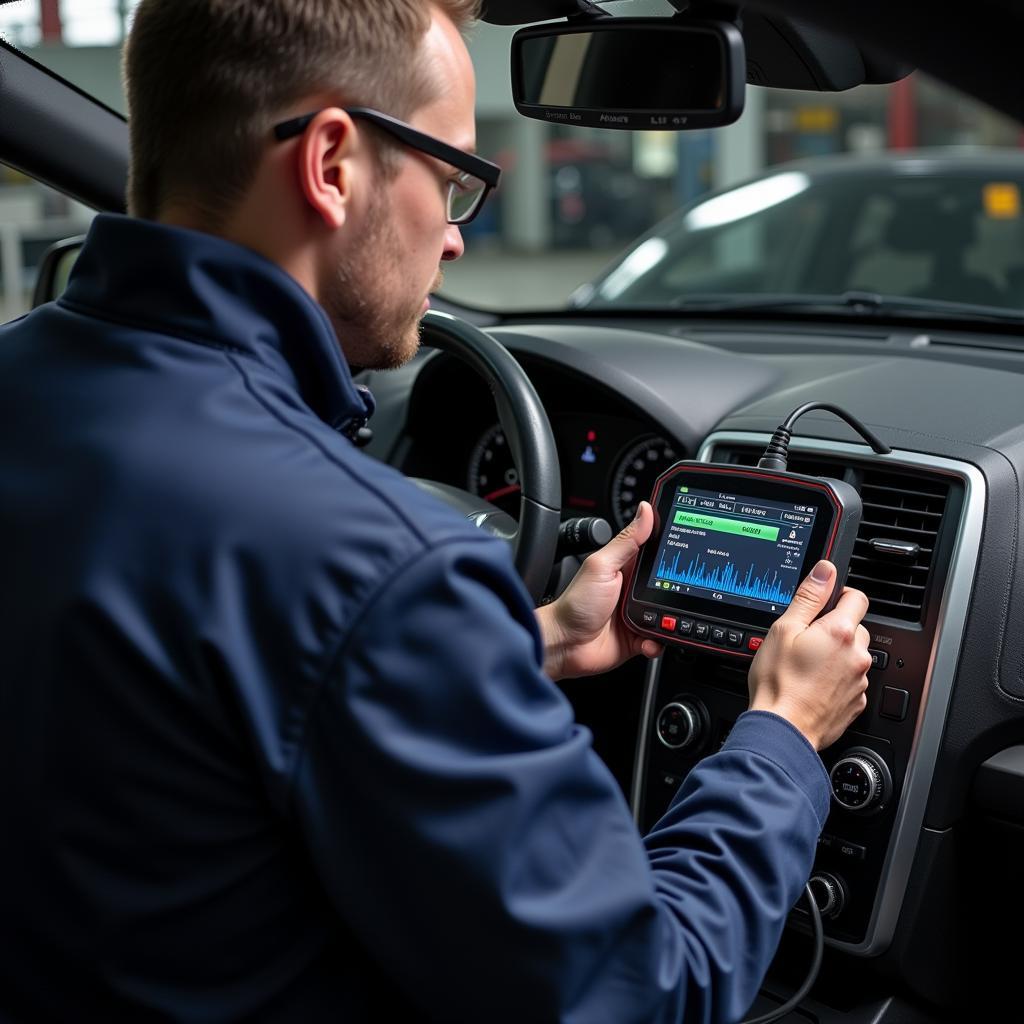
(206, 289)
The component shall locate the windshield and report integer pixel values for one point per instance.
(908, 191)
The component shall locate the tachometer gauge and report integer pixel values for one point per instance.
(493, 474)
(638, 467)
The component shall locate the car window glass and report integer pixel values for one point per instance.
(32, 217)
(575, 204)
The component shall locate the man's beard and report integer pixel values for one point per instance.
(377, 323)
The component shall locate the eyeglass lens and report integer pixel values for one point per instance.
(464, 197)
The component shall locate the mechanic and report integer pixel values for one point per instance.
(278, 733)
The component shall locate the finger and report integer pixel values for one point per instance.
(811, 596)
(623, 547)
(648, 648)
(863, 636)
(850, 609)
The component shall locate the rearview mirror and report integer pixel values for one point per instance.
(631, 73)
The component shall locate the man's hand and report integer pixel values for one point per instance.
(811, 671)
(583, 633)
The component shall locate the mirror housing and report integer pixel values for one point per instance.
(648, 74)
(55, 269)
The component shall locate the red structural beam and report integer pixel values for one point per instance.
(902, 114)
(49, 21)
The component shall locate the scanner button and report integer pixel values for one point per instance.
(734, 638)
(668, 622)
(686, 627)
(754, 643)
(701, 629)
(649, 617)
(718, 635)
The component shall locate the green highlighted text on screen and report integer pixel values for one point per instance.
(760, 531)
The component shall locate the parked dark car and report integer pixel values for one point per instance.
(937, 225)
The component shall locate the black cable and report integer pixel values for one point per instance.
(812, 974)
(776, 455)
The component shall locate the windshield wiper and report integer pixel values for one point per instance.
(853, 302)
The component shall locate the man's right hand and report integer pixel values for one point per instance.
(811, 671)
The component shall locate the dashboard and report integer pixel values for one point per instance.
(944, 726)
(609, 453)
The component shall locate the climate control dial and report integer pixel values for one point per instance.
(682, 724)
(861, 781)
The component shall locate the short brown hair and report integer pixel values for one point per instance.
(205, 80)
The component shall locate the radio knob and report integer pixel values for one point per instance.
(828, 892)
(680, 725)
(860, 782)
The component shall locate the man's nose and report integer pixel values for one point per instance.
(454, 246)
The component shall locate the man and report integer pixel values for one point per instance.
(277, 738)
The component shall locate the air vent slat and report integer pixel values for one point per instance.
(895, 489)
(904, 510)
(887, 583)
(902, 606)
(894, 526)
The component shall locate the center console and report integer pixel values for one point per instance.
(914, 555)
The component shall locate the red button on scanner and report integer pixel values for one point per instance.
(754, 642)
(667, 622)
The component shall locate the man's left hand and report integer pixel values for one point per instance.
(583, 633)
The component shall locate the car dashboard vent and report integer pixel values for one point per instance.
(895, 549)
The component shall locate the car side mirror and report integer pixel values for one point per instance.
(55, 269)
(631, 73)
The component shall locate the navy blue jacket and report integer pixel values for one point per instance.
(275, 739)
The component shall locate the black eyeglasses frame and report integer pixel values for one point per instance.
(469, 163)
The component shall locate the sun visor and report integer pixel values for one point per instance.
(788, 54)
(525, 12)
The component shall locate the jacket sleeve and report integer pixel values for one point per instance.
(473, 841)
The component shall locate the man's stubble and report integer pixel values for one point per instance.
(367, 300)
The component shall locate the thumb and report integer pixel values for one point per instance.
(622, 548)
(812, 595)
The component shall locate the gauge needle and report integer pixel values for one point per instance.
(495, 495)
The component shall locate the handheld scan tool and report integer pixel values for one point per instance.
(731, 544)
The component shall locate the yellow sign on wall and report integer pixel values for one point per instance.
(1002, 200)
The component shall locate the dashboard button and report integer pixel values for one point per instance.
(701, 629)
(850, 851)
(668, 623)
(879, 659)
(894, 703)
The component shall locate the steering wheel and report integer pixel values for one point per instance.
(531, 441)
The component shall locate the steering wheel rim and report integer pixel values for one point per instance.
(530, 439)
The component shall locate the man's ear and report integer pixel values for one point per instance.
(326, 165)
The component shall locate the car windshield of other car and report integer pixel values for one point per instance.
(906, 196)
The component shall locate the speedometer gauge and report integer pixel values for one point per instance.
(637, 470)
(493, 474)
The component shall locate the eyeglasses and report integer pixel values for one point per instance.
(466, 191)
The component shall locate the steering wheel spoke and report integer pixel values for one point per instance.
(526, 426)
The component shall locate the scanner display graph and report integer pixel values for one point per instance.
(732, 548)
(727, 579)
